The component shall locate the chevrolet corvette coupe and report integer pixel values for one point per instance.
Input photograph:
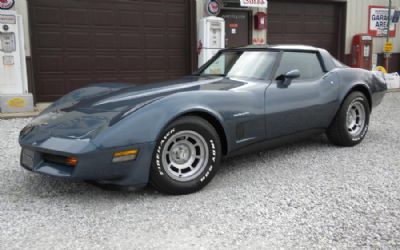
(174, 134)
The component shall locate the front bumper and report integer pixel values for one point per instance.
(94, 164)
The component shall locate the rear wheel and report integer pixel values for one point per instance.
(187, 156)
(350, 125)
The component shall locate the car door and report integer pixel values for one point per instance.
(307, 102)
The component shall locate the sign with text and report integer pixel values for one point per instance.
(396, 16)
(378, 21)
(254, 3)
(388, 47)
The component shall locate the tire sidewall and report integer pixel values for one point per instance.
(160, 177)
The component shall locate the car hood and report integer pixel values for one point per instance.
(118, 99)
(84, 113)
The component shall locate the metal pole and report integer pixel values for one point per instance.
(389, 21)
(387, 55)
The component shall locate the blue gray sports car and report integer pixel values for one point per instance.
(174, 134)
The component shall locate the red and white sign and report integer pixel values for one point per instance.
(6, 4)
(254, 3)
(213, 7)
(378, 22)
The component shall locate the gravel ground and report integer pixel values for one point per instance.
(304, 195)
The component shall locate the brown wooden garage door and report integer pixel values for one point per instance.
(297, 22)
(79, 42)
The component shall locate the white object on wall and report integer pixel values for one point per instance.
(14, 96)
(212, 37)
(13, 74)
(392, 80)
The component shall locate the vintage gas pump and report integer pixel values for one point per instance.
(211, 37)
(361, 51)
(14, 96)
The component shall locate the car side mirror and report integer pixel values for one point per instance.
(287, 78)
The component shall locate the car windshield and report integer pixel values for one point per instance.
(242, 64)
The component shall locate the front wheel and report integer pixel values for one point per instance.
(350, 125)
(186, 157)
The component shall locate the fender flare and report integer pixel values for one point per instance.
(357, 86)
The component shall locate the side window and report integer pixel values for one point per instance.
(307, 63)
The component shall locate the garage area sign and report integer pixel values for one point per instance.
(254, 3)
(378, 21)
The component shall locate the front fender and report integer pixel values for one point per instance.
(236, 110)
(146, 124)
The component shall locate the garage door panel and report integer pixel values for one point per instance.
(76, 40)
(152, 41)
(314, 10)
(48, 16)
(77, 63)
(295, 10)
(75, 82)
(176, 21)
(130, 19)
(131, 41)
(52, 85)
(304, 22)
(105, 63)
(155, 20)
(175, 61)
(131, 63)
(50, 64)
(329, 28)
(275, 27)
(155, 76)
(156, 62)
(103, 18)
(294, 27)
(313, 27)
(49, 40)
(76, 17)
(82, 42)
(105, 41)
(176, 41)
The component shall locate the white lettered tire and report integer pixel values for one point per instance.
(351, 123)
(186, 157)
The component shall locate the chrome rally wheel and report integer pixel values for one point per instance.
(185, 155)
(356, 118)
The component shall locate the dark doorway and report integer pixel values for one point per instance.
(237, 27)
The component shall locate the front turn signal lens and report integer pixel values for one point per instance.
(71, 161)
(128, 155)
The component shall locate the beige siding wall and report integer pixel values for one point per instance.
(357, 22)
(21, 6)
